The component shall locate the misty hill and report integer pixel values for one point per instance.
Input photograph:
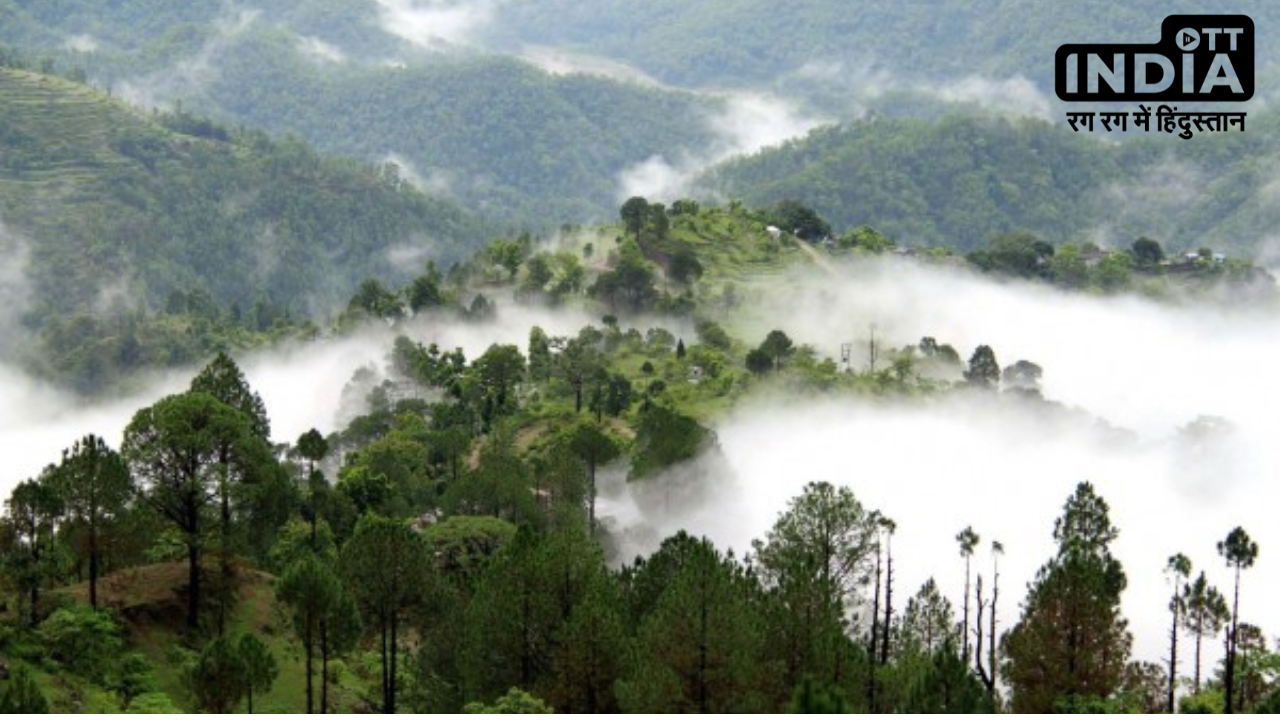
(752, 41)
(961, 180)
(121, 217)
(507, 139)
(503, 137)
(133, 24)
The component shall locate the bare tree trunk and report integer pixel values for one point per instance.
(991, 662)
(324, 668)
(1173, 654)
(1199, 638)
(309, 651)
(391, 696)
(1232, 640)
(987, 677)
(887, 625)
(591, 481)
(875, 640)
(93, 562)
(193, 575)
(964, 623)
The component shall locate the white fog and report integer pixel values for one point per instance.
(1003, 465)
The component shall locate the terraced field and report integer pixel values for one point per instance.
(117, 211)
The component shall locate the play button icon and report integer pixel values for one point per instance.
(1188, 40)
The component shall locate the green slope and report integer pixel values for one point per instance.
(121, 216)
(961, 180)
(750, 41)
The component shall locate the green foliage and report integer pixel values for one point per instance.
(932, 181)
(740, 42)
(710, 333)
(182, 450)
(216, 679)
(134, 679)
(33, 509)
(1017, 254)
(777, 347)
(312, 591)
(122, 206)
(629, 286)
(798, 219)
(634, 213)
(928, 623)
(258, 667)
(984, 370)
(1071, 641)
(224, 380)
(947, 685)
(759, 362)
(589, 650)
(809, 698)
(1147, 252)
(866, 239)
(295, 543)
(22, 696)
(708, 603)
(387, 569)
(500, 485)
(685, 267)
(153, 703)
(95, 486)
(515, 702)
(84, 640)
(665, 437)
(813, 562)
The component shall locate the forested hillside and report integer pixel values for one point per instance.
(129, 228)
(612, 356)
(504, 138)
(460, 542)
(752, 41)
(508, 140)
(959, 181)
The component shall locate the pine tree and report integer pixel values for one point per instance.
(1240, 552)
(1206, 615)
(258, 667)
(1179, 569)
(701, 647)
(95, 484)
(968, 540)
(385, 564)
(814, 563)
(1071, 644)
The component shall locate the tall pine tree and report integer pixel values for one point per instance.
(1072, 644)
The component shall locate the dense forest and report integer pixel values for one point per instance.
(137, 228)
(507, 139)
(959, 180)
(443, 551)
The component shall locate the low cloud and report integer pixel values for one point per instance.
(1168, 410)
(743, 123)
(556, 61)
(317, 49)
(857, 89)
(15, 289)
(81, 43)
(187, 78)
(434, 24)
(436, 181)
